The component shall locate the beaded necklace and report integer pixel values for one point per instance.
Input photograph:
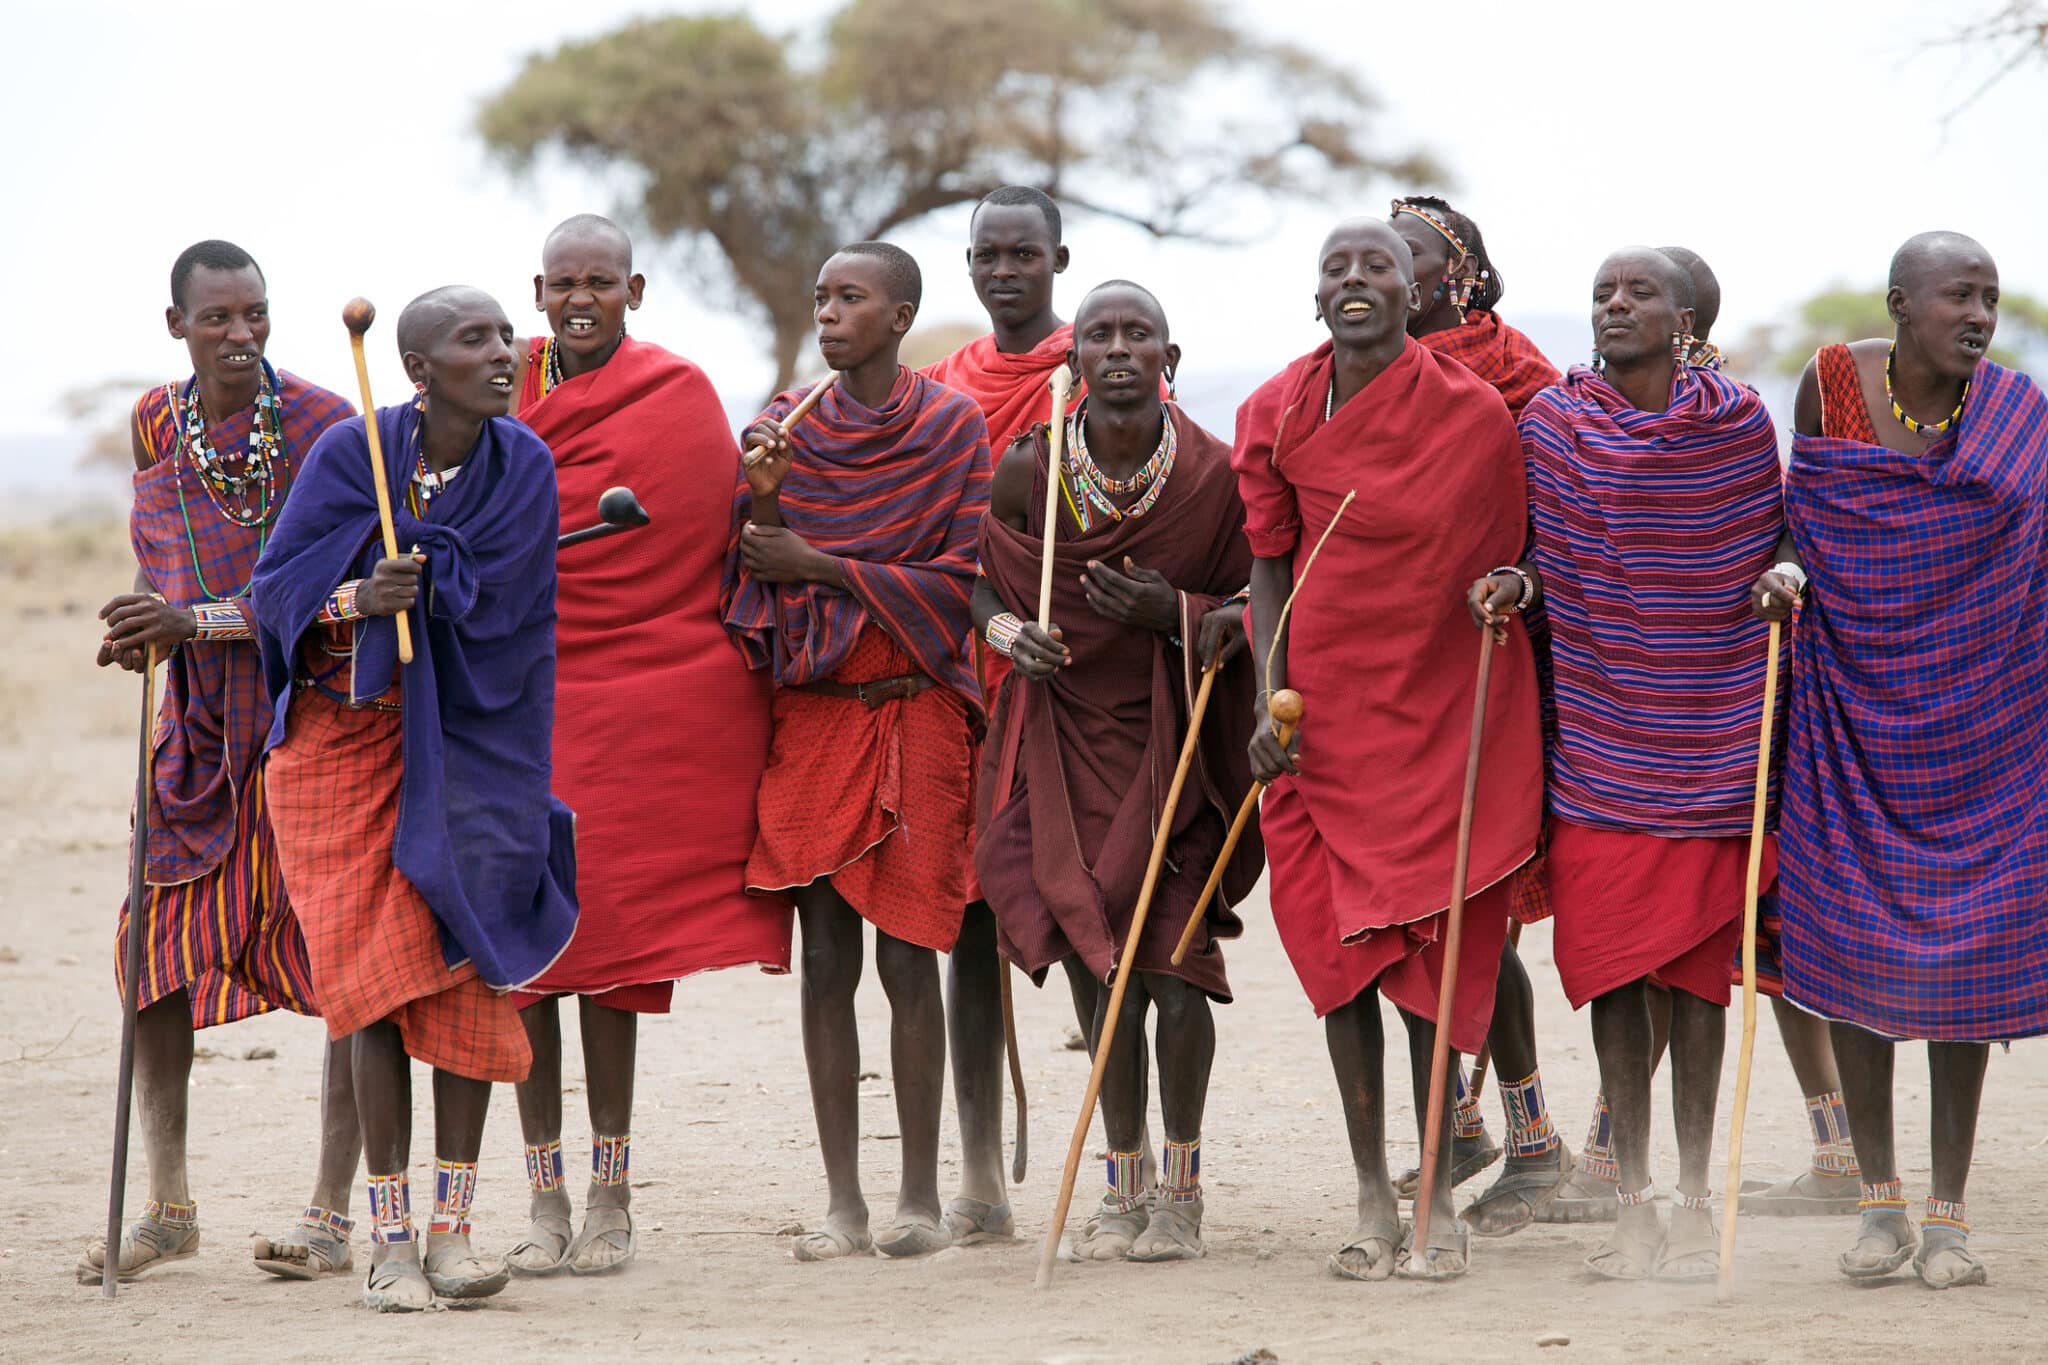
(1098, 490)
(1919, 428)
(550, 366)
(249, 497)
(425, 485)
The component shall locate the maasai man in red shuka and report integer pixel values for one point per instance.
(1014, 254)
(430, 866)
(1653, 495)
(215, 457)
(1361, 826)
(1460, 318)
(1090, 727)
(847, 579)
(1914, 854)
(639, 639)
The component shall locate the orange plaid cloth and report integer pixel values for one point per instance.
(371, 938)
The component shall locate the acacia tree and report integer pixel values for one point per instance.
(761, 153)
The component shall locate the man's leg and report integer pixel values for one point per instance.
(1090, 999)
(1956, 1089)
(1622, 1041)
(1699, 1040)
(917, 1064)
(383, 1088)
(611, 1040)
(1537, 1162)
(1884, 1237)
(453, 1267)
(1357, 1048)
(1114, 1224)
(318, 1244)
(974, 1030)
(169, 1227)
(545, 1246)
(1830, 1183)
(831, 956)
(1446, 1255)
(1588, 1194)
(1186, 1051)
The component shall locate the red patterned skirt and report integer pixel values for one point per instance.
(881, 802)
(372, 941)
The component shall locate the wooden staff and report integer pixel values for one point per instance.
(1020, 1159)
(756, 454)
(1446, 995)
(1747, 1053)
(131, 979)
(1056, 438)
(1286, 708)
(357, 317)
(1123, 968)
(1485, 1056)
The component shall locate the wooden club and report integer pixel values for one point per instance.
(1747, 1054)
(1125, 965)
(357, 317)
(1446, 995)
(1286, 708)
(131, 978)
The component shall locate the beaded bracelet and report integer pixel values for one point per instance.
(1791, 573)
(1002, 631)
(221, 621)
(1528, 584)
(341, 604)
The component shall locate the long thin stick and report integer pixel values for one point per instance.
(1023, 1150)
(1485, 1056)
(1747, 1054)
(1286, 708)
(131, 976)
(1447, 988)
(1125, 965)
(1056, 437)
(796, 414)
(357, 317)
(1280, 624)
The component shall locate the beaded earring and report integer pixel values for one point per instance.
(1599, 363)
(1172, 396)
(1467, 287)
(1681, 348)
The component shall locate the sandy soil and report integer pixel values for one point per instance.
(725, 1156)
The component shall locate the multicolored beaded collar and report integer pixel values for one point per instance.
(1919, 428)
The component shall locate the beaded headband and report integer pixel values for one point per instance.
(1404, 206)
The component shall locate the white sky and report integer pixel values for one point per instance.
(334, 142)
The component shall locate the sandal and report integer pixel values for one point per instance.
(317, 1246)
(1520, 1195)
(1581, 1198)
(973, 1221)
(1174, 1233)
(165, 1234)
(830, 1244)
(1469, 1156)
(913, 1236)
(1951, 1247)
(1369, 1258)
(457, 1272)
(531, 1255)
(398, 1285)
(1809, 1194)
(1632, 1253)
(1691, 1253)
(1111, 1230)
(599, 1251)
(1886, 1261)
(1428, 1267)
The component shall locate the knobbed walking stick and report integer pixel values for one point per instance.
(357, 317)
(1125, 965)
(754, 455)
(1447, 987)
(1062, 382)
(1747, 1053)
(131, 975)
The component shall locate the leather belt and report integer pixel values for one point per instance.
(873, 692)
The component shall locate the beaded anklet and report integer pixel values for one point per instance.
(544, 1166)
(454, 1195)
(172, 1215)
(328, 1221)
(1945, 1214)
(1126, 1172)
(1467, 1119)
(1530, 1131)
(390, 1209)
(1833, 1154)
(1180, 1171)
(1597, 1160)
(1638, 1199)
(1701, 1202)
(608, 1156)
(1886, 1196)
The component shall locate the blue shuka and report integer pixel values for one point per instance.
(479, 833)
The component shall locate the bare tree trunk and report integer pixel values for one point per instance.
(790, 331)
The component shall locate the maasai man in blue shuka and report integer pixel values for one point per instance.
(1914, 841)
(432, 869)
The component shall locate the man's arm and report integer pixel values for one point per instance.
(1272, 580)
(1037, 653)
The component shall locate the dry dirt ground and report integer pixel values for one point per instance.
(725, 1156)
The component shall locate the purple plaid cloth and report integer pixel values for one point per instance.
(1913, 849)
(210, 728)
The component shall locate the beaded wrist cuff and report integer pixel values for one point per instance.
(1528, 584)
(341, 604)
(221, 621)
(1002, 631)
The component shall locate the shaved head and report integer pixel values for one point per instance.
(1706, 289)
(590, 229)
(1380, 234)
(1926, 253)
(1109, 287)
(899, 269)
(1673, 276)
(427, 316)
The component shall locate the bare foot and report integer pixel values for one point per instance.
(843, 1235)
(457, 1272)
(310, 1251)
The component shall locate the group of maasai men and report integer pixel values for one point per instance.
(841, 703)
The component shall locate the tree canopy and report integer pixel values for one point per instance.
(762, 153)
(1840, 313)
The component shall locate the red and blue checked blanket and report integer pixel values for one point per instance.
(897, 492)
(1497, 353)
(1913, 854)
(1649, 529)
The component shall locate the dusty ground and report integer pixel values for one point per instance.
(724, 1156)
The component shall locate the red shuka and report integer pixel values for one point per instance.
(649, 686)
(1381, 647)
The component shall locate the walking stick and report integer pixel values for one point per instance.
(1125, 965)
(1485, 1056)
(1056, 438)
(1019, 1159)
(1747, 1054)
(357, 317)
(131, 975)
(1454, 924)
(1286, 708)
(754, 455)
